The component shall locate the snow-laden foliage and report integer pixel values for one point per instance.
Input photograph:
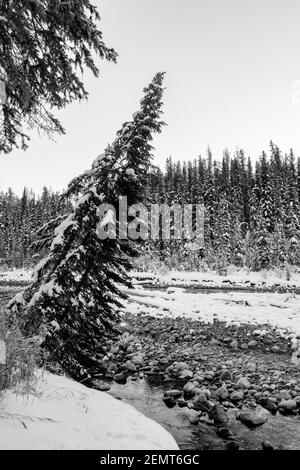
(73, 300)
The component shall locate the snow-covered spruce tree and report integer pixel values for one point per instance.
(72, 303)
(292, 223)
(262, 210)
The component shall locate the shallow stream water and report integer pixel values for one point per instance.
(146, 396)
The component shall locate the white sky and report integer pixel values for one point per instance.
(231, 68)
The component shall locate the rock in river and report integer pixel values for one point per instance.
(223, 432)
(226, 375)
(266, 445)
(284, 395)
(120, 378)
(188, 388)
(253, 418)
(237, 396)
(169, 401)
(243, 382)
(130, 366)
(222, 393)
(181, 403)
(173, 393)
(138, 360)
(288, 405)
(218, 414)
(180, 366)
(186, 374)
(200, 403)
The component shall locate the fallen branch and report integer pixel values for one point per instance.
(146, 293)
(278, 306)
(240, 302)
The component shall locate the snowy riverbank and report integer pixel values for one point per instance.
(280, 311)
(63, 414)
(235, 279)
(15, 276)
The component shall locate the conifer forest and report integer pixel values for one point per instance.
(149, 231)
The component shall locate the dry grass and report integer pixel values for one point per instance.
(22, 355)
(21, 419)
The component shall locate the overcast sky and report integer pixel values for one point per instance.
(233, 80)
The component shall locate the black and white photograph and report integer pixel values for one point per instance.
(149, 228)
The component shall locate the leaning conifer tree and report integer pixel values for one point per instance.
(72, 303)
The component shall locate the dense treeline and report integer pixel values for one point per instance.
(251, 214)
(20, 218)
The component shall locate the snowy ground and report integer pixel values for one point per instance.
(235, 277)
(281, 311)
(277, 310)
(15, 275)
(63, 414)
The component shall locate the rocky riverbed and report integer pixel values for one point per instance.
(213, 386)
(232, 380)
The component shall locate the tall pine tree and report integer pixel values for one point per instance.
(73, 300)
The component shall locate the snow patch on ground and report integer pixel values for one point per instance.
(15, 275)
(63, 414)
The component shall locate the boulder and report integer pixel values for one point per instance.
(243, 382)
(266, 445)
(186, 374)
(288, 405)
(222, 393)
(232, 445)
(120, 378)
(237, 396)
(137, 360)
(179, 366)
(181, 403)
(188, 388)
(223, 432)
(284, 395)
(218, 414)
(253, 418)
(200, 403)
(226, 375)
(170, 402)
(130, 366)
